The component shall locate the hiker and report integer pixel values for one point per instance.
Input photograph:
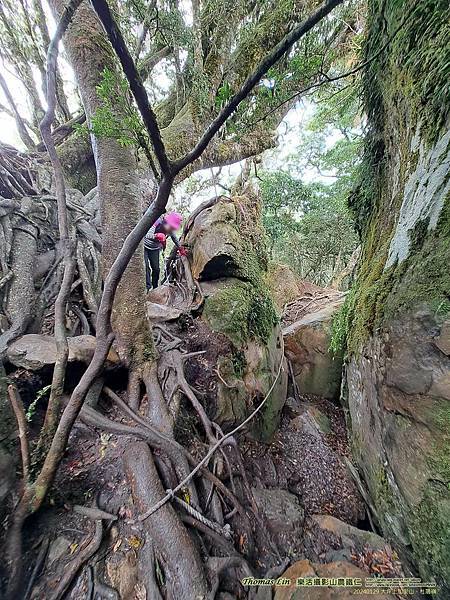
(155, 242)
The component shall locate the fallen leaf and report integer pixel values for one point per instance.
(73, 547)
(134, 542)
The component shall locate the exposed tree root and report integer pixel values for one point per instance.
(38, 566)
(19, 413)
(75, 565)
(184, 570)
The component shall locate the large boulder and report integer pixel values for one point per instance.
(35, 351)
(398, 398)
(303, 570)
(307, 345)
(215, 241)
(227, 246)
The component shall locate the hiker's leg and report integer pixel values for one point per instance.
(154, 263)
(148, 275)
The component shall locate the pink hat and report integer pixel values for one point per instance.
(173, 219)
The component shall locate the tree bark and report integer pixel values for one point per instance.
(89, 54)
(185, 576)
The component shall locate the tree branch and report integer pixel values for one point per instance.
(21, 126)
(63, 131)
(276, 53)
(136, 85)
(149, 62)
(19, 413)
(329, 79)
(62, 348)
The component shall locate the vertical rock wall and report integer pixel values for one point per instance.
(398, 339)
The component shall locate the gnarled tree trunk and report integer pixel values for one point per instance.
(120, 203)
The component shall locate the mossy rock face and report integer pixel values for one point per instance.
(229, 259)
(241, 310)
(396, 316)
(399, 399)
(245, 315)
(429, 526)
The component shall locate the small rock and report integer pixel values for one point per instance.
(321, 420)
(312, 421)
(344, 554)
(350, 536)
(160, 313)
(58, 548)
(281, 508)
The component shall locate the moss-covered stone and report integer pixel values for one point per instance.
(413, 85)
(381, 293)
(398, 394)
(404, 180)
(429, 527)
(241, 311)
(229, 259)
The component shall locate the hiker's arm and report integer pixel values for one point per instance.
(150, 235)
(175, 240)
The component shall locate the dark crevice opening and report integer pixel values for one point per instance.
(219, 267)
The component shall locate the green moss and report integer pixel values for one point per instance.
(424, 277)
(418, 234)
(384, 497)
(411, 90)
(380, 294)
(369, 176)
(149, 352)
(414, 64)
(239, 363)
(253, 251)
(244, 308)
(429, 526)
(439, 459)
(241, 311)
(340, 326)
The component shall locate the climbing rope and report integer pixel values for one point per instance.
(225, 530)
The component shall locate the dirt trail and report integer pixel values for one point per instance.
(302, 462)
